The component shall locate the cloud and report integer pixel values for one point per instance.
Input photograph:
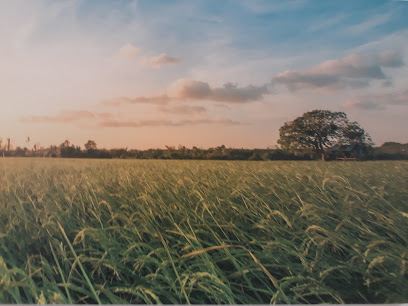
(189, 89)
(67, 116)
(128, 52)
(197, 90)
(377, 102)
(108, 120)
(168, 123)
(185, 89)
(325, 23)
(268, 7)
(162, 59)
(362, 103)
(368, 24)
(183, 109)
(388, 59)
(354, 71)
(161, 99)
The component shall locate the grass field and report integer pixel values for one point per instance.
(119, 231)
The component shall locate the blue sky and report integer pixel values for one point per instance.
(152, 73)
(254, 25)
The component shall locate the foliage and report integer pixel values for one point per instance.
(132, 231)
(90, 146)
(389, 150)
(68, 150)
(318, 130)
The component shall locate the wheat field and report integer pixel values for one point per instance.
(151, 231)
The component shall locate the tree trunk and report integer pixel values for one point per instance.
(323, 157)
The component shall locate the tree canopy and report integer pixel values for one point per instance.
(318, 130)
(90, 145)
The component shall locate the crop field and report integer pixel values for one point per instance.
(132, 231)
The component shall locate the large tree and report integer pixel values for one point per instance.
(319, 130)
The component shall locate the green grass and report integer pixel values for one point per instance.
(89, 231)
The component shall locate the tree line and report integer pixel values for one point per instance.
(388, 151)
(68, 150)
(316, 134)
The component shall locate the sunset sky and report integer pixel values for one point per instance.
(143, 74)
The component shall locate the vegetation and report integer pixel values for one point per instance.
(390, 150)
(68, 150)
(319, 130)
(119, 231)
(311, 136)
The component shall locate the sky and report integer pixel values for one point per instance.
(146, 74)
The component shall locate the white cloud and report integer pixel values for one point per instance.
(165, 123)
(162, 59)
(161, 99)
(326, 23)
(197, 90)
(185, 89)
(368, 24)
(354, 71)
(103, 119)
(128, 52)
(182, 109)
(267, 7)
(377, 101)
(67, 116)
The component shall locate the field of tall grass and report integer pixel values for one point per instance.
(131, 231)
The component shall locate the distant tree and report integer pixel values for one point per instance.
(67, 149)
(318, 130)
(391, 150)
(20, 152)
(119, 153)
(391, 144)
(53, 151)
(255, 156)
(90, 145)
(65, 144)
